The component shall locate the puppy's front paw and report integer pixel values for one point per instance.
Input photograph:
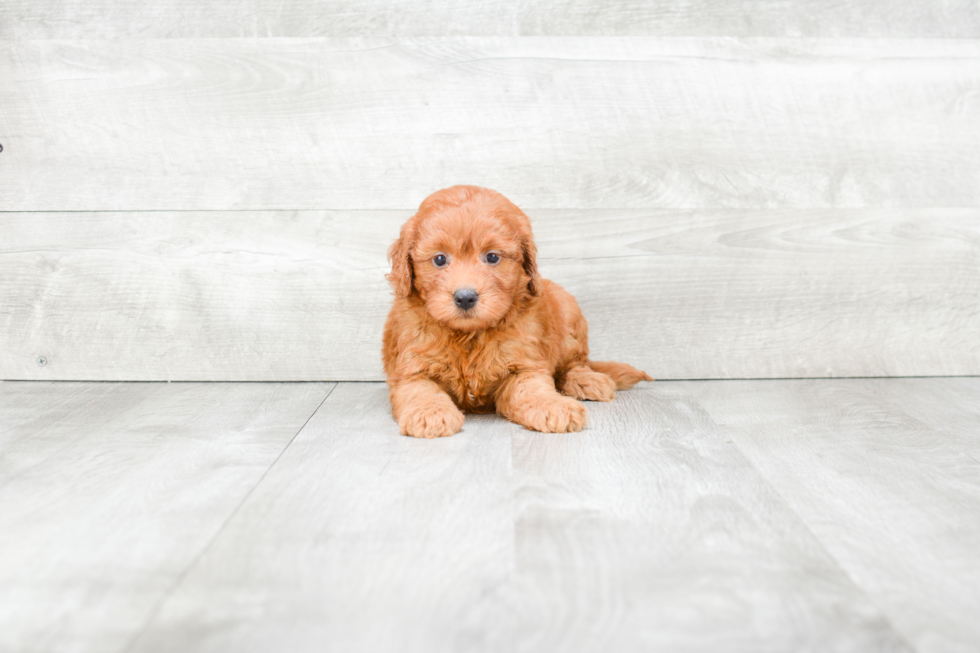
(431, 421)
(554, 415)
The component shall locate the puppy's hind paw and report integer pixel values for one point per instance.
(431, 422)
(588, 385)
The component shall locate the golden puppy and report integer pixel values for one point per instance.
(474, 328)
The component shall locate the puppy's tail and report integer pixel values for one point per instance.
(625, 376)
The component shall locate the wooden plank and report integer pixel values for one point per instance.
(113, 490)
(681, 294)
(62, 19)
(946, 405)
(775, 294)
(358, 540)
(552, 122)
(650, 531)
(195, 296)
(895, 500)
(34, 418)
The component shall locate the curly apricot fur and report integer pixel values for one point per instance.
(521, 351)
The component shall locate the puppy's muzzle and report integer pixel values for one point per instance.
(466, 298)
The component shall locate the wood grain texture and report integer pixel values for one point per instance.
(650, 531)
(302, 295)
(949, 406)
(895, 499)
(110, 491)
(358, 540)
(552, 122)
(61, 19)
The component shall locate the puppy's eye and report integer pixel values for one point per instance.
(493, 258)
(440, 260)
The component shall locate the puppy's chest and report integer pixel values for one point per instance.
(472, 376)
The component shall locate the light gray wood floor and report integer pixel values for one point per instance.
(799, 515)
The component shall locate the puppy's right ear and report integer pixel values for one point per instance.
(402, 275)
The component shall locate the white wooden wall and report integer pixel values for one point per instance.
(206, 191)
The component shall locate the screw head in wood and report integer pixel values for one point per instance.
(42, 361)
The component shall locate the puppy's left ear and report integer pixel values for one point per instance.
(530, 254)
(402, 275)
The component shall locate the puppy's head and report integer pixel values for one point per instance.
(469, 255)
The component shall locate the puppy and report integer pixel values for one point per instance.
(473, 328)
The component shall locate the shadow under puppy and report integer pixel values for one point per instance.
(474, 328)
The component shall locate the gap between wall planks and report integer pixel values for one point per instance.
(563, 122)
(301, 295)
(111, 19)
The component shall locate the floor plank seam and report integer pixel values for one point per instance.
(200, 554)
(900, 634)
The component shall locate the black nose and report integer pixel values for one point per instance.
(466, 298)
